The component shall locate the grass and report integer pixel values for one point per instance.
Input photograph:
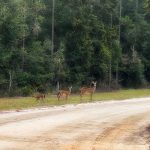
(51, 100)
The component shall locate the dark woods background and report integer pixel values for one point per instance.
(103, 40)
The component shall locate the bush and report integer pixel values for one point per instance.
(42, 89)
(26, 91)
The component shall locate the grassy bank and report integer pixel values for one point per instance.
(29, 102)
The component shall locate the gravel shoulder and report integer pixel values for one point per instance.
(115, 125)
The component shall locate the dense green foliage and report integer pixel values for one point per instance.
(101, 40)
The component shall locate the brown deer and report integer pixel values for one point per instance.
(64, 93)
(88, 90)
(39, 97)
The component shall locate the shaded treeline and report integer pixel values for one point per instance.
(103, 40)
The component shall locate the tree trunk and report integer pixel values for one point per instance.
(58, 81)
(110, 76)
(120, 15)
(117, 73)
(137, 6)
(117, 65)
(23, 50)
(23, 40)
(110, 61)
(58, 85)
(53, 24)
(10, 81)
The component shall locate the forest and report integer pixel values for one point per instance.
(50, 44)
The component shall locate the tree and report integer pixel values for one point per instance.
(94, 40)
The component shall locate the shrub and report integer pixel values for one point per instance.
(42, 89)
(26, 91)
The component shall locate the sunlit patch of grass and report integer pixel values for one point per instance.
(51, 100)
(122, 94)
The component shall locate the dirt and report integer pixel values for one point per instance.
(115, 125)
(122, 136)
(145, 134)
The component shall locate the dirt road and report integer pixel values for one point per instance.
(115, 125)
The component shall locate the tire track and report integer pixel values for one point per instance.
(115, 138)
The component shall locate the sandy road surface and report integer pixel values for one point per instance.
(115, 125)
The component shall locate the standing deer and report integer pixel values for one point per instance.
(64, 93)
(39, 97)
(88, 90)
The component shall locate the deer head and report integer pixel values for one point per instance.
(70, 89)
(94, 83)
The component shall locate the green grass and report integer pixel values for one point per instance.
(51, 100)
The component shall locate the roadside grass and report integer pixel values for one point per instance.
(18, 103)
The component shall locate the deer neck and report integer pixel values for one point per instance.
(94, 88)
(69, 90)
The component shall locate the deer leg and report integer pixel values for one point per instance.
(58, 96)
(66, 97)
(40, 99)
(37, 99)
(91, 96)
(80, 97)
(44, 97)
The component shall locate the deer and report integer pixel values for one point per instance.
(88, 90)
(64, 93)
(39, 97)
